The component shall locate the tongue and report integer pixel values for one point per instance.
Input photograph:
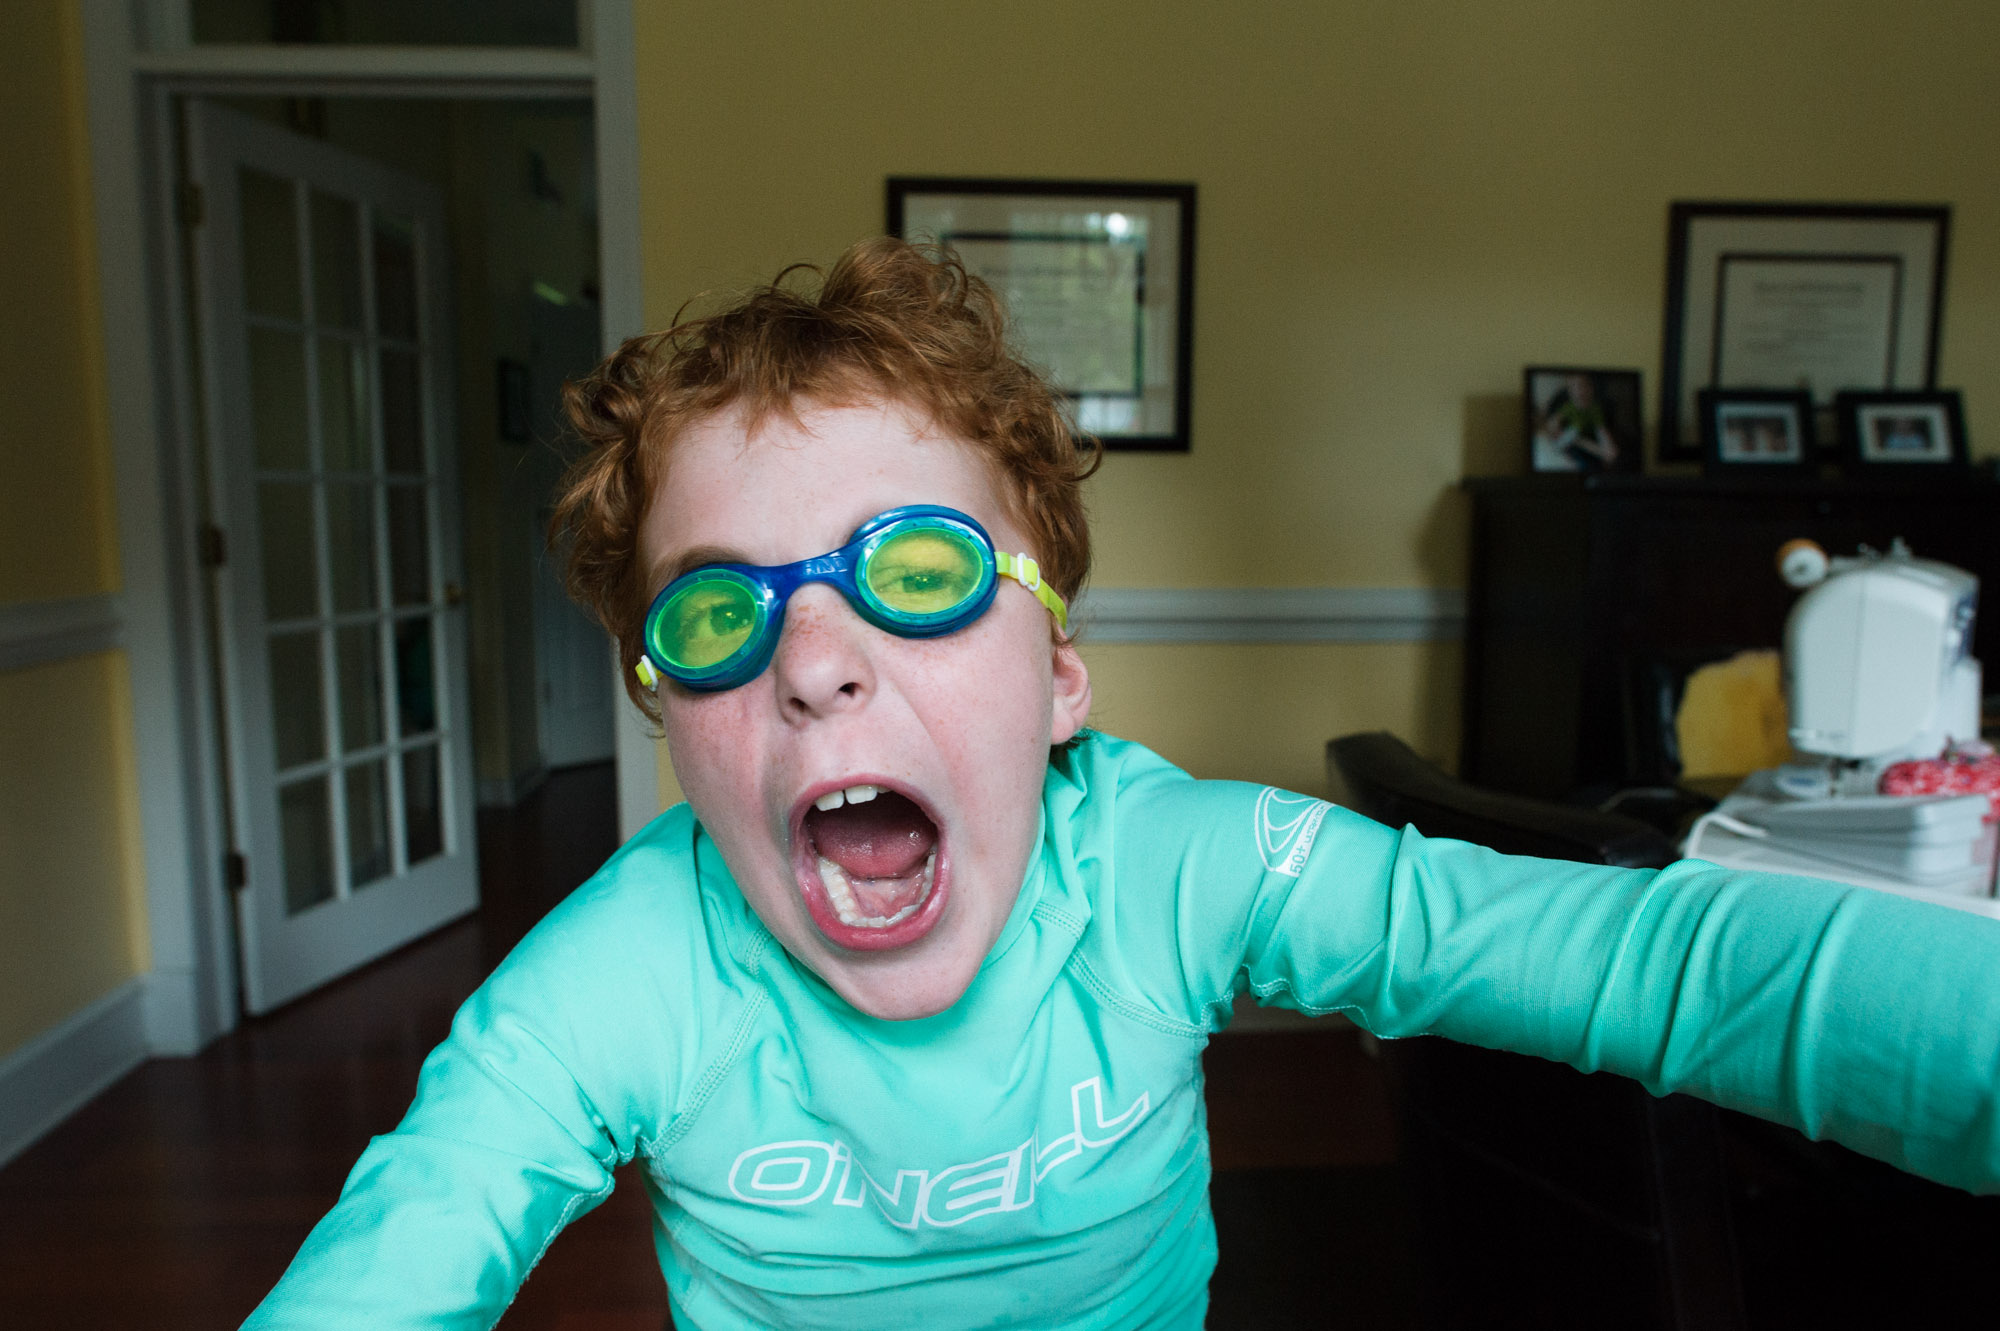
(887, 837)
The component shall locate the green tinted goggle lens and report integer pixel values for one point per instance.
(919, 571)
(925, 571)
(706, 623)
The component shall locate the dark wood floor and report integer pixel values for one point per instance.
(176, 1198)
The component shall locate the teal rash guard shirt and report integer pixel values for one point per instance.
(1037, 1155)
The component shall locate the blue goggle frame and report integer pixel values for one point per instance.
(771, 588)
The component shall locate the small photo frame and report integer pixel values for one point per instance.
(1582, 419)
(1762, 430)
(1917, 431)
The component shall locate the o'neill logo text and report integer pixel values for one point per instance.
(1286, 827)
(800, 1173)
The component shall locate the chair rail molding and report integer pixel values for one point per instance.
(36, 633)
(1169, 615)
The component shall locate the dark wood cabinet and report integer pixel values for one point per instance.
(1592, 597)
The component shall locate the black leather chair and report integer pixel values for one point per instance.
(1546, 1197)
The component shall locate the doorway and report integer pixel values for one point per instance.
(143, 62)
(385, 298)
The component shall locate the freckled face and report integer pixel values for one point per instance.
(959, 725)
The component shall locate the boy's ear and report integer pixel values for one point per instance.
(1072, 693)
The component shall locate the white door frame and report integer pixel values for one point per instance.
(138, 58)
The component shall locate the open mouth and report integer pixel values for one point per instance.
(870, 865)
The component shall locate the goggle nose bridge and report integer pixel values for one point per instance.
(834, 568)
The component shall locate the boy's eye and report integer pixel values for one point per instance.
(923, 572)
(710, 621)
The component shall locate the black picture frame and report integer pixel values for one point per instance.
(1098, 279)
(1757, 431)
(1798, 295)
(1933, 423)
(1549, 406)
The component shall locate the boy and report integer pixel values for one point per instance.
(904, 1008)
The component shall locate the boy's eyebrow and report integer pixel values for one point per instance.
(695, 557)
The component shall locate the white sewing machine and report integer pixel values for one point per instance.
(1878, 668)
(1878, 656)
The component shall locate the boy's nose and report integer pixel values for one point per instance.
(822, 663)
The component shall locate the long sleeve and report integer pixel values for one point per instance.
(1850, 1014)
(554, 1073)
(442, 1219)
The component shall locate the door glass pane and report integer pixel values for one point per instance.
(416, 679)
(336, 242)
(307, 830)
(270, 244)
(358, 654)
(367, 823)
(278, 399)
(285, 532)
(350, 540)
(423, 812)
(298, 721)
(402, 413)
(409, 552)
(343, 406)
(395, 277)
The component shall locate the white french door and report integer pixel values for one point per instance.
(318, 281)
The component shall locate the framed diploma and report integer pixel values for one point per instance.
(1812, 298)
(1098, 283)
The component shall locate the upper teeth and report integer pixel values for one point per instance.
(833, 799)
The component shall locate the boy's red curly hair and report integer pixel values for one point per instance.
(891, 320)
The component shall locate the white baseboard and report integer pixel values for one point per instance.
(56, 1073)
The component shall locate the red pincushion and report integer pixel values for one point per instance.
(1952, 774)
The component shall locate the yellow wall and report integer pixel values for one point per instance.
(72, 918)
(1401, 204)
(72, 910)
(1265, 713)
(56, 533)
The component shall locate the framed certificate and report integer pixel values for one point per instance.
(1098, 283)
(1813, 298)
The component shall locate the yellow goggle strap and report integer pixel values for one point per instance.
(1028, 573)
(1020, 568)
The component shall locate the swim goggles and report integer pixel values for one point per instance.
(917, 572)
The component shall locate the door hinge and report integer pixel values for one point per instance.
(194, 205)
(214, 546)
(235, 871)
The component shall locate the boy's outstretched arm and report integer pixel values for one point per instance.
(546, 1084)
(442, 1219)
(1850, 1014)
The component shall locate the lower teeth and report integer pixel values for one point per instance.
(840, 893)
